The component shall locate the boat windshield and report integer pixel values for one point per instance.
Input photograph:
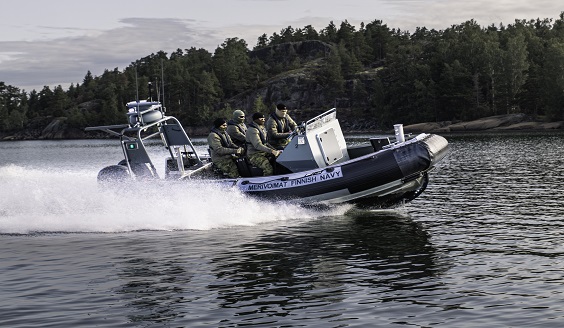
(321, 120)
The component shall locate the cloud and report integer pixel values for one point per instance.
(32, 65)
(59, 54)
(440, 15)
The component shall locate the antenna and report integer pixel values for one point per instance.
(136, 85)
(162, 85)
(137, 90)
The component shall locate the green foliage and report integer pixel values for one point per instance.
(553, 80)
(462, 72)
(259, 106)
(330, 77)
(231, 66)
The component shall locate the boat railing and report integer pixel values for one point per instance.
(110, 129)
(321, 120)
(169, 129)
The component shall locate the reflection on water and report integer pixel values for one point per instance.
(308, 271)
(482, 247)
(152, 287)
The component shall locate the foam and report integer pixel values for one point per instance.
(59, 200)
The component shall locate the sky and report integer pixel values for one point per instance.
(51, 43)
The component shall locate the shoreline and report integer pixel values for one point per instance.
(56, 130)
(498, 123)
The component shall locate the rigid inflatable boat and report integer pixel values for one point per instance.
(316, 167)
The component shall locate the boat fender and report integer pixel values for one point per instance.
(415, 193)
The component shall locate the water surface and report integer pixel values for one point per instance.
(482, 246)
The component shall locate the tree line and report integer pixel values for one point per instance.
(463, 72)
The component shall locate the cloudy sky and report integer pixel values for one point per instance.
(56, 42)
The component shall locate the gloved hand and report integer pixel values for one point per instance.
(240, 150)
(276, 153)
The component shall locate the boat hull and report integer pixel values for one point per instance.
(386, 176)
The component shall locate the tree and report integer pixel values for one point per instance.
(259, 106)
(59, 102)
(349, 63)
(329, 34)
(379, 37)
(262, 42)
(553, 80)
(455, 98)
(231, 66)
(514, 68)
(310, 33)
(490, 68)
(287, 34)
(88, 86)
(329, 75)
(346, 33)
(110, 108)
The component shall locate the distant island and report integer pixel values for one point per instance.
(464, 78)
(57, 129)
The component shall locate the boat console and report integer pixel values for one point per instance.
(316, 143)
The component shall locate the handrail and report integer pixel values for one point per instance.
(126, 128)
(321, 119)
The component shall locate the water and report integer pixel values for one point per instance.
(482, 247)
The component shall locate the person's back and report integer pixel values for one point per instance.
(279, 127)
(259, 151)
(222, 149)
(236, 128)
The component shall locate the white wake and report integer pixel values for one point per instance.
(55, 200)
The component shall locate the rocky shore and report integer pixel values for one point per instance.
(56, 128)
(509, 122)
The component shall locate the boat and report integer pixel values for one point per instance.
(316, 167)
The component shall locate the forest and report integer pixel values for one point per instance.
(463, 72)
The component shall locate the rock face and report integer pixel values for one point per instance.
(509, 122)
(299, 88)
(55, 130)
(47, 128)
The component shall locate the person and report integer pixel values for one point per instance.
(222, 149)
(236, 128)
(259, 151)
(279, 126)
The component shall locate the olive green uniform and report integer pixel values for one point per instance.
(279, 129)
(222, 149)
(236, 130)
(259, 151)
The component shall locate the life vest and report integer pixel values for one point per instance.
(223, 137)
(231, 122)
(241, 130)
(262, 134)
(280, 127)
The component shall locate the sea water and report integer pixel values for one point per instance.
(481, 247)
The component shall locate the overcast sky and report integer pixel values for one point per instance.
(56, 42)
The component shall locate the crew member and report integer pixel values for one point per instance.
(222, 149)
(259, 151)
(279, 126)
(236, 128)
